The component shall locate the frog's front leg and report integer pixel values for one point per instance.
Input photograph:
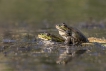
(68, 40)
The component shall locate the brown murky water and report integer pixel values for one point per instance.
(24, 52)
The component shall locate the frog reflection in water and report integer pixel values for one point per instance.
(66, 57)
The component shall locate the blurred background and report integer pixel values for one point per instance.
(39, 13)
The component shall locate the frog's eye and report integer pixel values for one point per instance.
(63, 24)
(48, 34)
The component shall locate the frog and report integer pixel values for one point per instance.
(50, 37)
(71, 35)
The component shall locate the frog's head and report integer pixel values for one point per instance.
(45, 36)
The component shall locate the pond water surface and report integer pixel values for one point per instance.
(24, 52)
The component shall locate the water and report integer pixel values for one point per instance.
(25, 53)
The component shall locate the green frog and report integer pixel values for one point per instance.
(50, 37)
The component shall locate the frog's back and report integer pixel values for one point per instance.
(80, 37)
